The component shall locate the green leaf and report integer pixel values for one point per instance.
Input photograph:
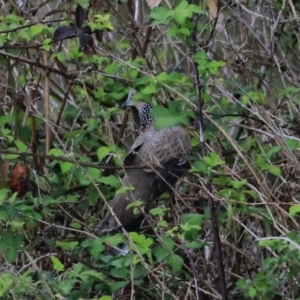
(199, 167)
(92, 273)
(110, 180)
(213, 160)
(106, 298)
(192, 224)
(238, 184)
(3, 194)
(57, 265)
(252, 292)
(11, 255)
(194, 245)
(117, 286)
(292, 143)
(21, 146)
(16, 225)
(175, 261)
(3, 214)
(275, 170)
(121, 273)
(160, 15)
(160, 253)
(38, 29)
(66, 167)
(294, 209)
(56, 152)
(66, 246)
(104, 151)
(94, 173)
(149, 89)
(159, 111)
(6, 281)
(142, 243)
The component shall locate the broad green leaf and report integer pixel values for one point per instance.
(117, 286)
(175, 261)
(160, 253)
(121, 273)
(92, 273)
(21, 146)
(94, 173)
(110, 180)
(160, 15)
(66, 167)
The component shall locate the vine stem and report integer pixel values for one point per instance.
(217, 240)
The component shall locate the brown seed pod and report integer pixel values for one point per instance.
(19, 179)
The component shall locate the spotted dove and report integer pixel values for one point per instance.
(168, 148)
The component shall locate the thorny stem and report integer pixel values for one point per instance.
(198, 85)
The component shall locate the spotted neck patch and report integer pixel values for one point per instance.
(144, 115)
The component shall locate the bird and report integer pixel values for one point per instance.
(168, 148)
(82, 32)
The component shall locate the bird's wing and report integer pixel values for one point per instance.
(64, 32)
(156, 148)
(80, 16)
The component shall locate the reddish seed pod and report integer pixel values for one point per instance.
(19, 179)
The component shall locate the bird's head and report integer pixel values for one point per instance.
(143, 109)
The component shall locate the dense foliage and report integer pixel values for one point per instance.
(64, 135)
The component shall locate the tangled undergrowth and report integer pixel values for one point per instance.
(66, 69)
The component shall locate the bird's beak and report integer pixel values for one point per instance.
(129, 102)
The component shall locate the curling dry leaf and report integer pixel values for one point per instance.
(19, 179)
(153, 3)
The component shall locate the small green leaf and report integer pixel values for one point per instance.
(106, 298)
(213, 160)
(66, 246)
(57, 265)
(104, 151)
(252, 292)
(3, 214)
(294, 209)
(275, 170)
(56, 152)
(194, 245)
(11, 255)
(3, 194)
(12, 198)
(238, 184)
